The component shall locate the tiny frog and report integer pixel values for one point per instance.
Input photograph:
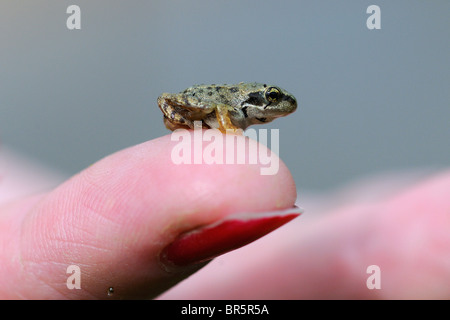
(225, 106)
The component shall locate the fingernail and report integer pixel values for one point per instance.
(223, 236)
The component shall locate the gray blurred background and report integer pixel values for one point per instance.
(369, 100)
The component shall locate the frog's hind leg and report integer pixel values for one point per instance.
(172, 117)
(173, 125)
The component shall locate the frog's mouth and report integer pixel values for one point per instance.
(279, 110)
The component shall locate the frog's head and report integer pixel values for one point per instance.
(267, 103)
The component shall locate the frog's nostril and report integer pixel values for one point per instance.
(290, 99)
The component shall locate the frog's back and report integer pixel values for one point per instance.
(223, 93)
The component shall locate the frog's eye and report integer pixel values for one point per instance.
(273, 94)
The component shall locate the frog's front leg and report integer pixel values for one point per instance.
(224, 120)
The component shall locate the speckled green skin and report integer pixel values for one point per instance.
(234, 106)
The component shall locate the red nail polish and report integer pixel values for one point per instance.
(223, 236)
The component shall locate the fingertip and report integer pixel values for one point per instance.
(115, 217)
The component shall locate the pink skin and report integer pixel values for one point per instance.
(114, 218)
(407, 235)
